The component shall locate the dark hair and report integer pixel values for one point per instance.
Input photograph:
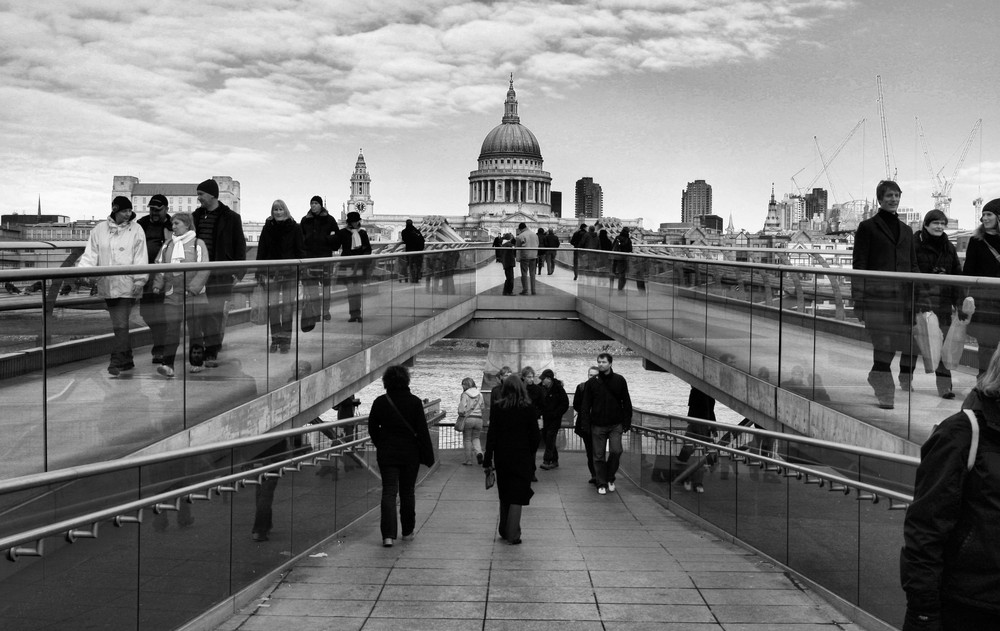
(610, 359)
(885, 186)
(513, 394)
(934, 215)
(396, 377)
(316, 198)
(582, 226)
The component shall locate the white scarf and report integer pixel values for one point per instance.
(355, 238)
(177, 252)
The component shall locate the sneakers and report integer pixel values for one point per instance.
(114, 371)
(687, 486)
(611, 487)
(602, 490)
(211, 362)
(387, 543)
(408, 537)
(166, 371)
(547, 465)
(196, 368)
(699, 488)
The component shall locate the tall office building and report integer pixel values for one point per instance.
(555, 198)
(696, 200)
(589, 199)
(816, 204)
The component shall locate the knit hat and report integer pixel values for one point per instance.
(316, 198)
(548, 373)
(121, 203)
(158, 200)
(353, 216)
(992, 206)
(209, 186)
(934, 215)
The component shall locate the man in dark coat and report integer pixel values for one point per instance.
(582, 430)
(353, 241)
(507, 258)
(554, 406)
(577, 242)
(221, 229)
(156, 226)
(607, 408)
(319, 234)
(883, 243)
(413, 241)
(551, 241)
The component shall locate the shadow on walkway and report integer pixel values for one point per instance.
(587, 563)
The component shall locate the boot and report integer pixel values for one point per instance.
(882, 384)
(944, 386)
(905, 379)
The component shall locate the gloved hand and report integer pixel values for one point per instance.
(922, 621)
(968, 306)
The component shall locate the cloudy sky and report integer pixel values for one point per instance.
(641, 95)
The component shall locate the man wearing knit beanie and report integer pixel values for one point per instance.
(221, 229)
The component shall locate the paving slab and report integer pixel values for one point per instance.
(619, 562)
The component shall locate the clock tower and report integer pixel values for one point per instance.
(361, 194)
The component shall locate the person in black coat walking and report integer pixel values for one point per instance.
(508, 259)
(607, 410)
(281, 238)
(554, 406)
(353, 241)
(883, 243)
(982, 258)
(511, 443)
(577, 242)
(319, 235)
(583, 430)
(398, 429)
(936, 255)
(413, 241)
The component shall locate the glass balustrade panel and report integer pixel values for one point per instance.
(764, 297)
(881, 539)
(27, 318)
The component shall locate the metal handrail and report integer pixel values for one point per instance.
(132, 512)
(75, 473)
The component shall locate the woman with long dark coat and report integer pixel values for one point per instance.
(398, 429)
(981, 259)
(511, 443)
(353, 241)
(281, 238)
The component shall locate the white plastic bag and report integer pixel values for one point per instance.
(954, 344)
(927, 334)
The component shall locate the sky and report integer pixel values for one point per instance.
(641, 95)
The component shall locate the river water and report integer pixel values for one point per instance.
(437, 374)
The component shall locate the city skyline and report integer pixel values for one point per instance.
(643, 97)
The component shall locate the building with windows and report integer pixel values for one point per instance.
(361, 190)
(816, 204)
(589, 199)
(696, 200)
(180, 197)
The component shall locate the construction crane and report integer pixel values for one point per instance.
(836, 152)
(890, 174)
(942, 195)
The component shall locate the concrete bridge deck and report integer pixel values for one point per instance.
(620, 562)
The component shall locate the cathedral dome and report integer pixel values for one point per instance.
(510, 139)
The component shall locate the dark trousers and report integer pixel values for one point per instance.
(588, 446)
(576, 264)
(316, 285)
(508, 282)
(510, 521)
(415, 265)
(215, 319)
(262, 523)
(354, 295)
(193, 316)
(281, 316)
(550, 431)
(398, 480)
(960, 617)
(528, 276)
(550, 262)
(151, 310)
(120, 309)
(607, 440)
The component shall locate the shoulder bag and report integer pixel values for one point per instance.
(425, 451)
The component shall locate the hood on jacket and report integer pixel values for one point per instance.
(473, 392)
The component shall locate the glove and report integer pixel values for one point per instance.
(968, 306)
(922, 621)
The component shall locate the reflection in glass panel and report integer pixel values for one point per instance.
(765, 326)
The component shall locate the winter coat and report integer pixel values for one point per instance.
(156, 235)
(885, 305)
(527, 245)
(604, 240)
(175, 285)
(938, 256)
(555, 403)
(358, 271)
(110, 245)
(577, 239)
(506, 254)
(394, 442)
(280, 240)
(952, 528)
(413, 241)
(579, 428)
(470, 405)
(319, 234)
(979, 261)
(511, 443)
(228, 244)
(606, 401)
(701, 405)
(592, 241)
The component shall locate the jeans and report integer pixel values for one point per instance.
(528, 272)
(550, 432)
(355, 291)
(508, 281)
(550, 262)
(398, 480)
(215, 319)
(470, 440)
(607, 441)
(151, 310)
(281, 316)
(193, 316)
(588, 446)
(120, 309)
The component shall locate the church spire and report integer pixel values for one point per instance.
(510, 105)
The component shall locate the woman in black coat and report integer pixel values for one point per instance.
(512, 441)
(936, 255)
(281, 238)
(353, 241)
(981, 260)
(398, 428)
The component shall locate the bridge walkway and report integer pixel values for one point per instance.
(620, 562)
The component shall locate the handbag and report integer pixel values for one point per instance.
(460, 423)
(491, 478)
(258, 305)
(425, 452)
(927, 334)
